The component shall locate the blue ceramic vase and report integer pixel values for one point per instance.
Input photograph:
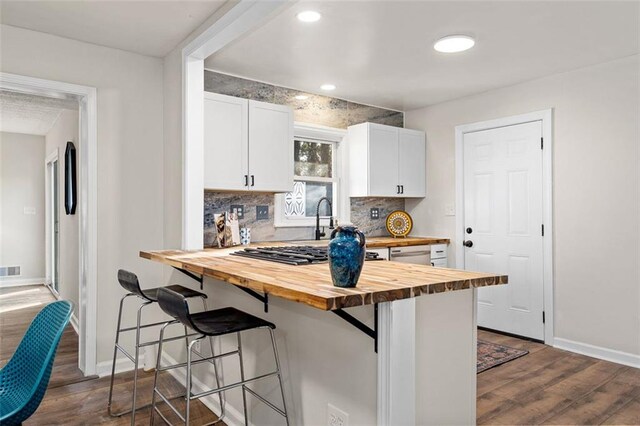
(346, 255)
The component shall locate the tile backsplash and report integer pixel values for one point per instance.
(264, 230)
(315, 109)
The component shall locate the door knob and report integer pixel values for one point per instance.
(467, 243)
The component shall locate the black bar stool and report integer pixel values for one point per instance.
(129, 281)
(213, 323)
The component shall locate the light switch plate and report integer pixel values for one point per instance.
(262, 212)
(450, 210)
(374, 213)
(238, 208)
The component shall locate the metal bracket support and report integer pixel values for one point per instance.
(373, 333)
(263, 298)
(193, 276)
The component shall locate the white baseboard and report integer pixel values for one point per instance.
(233, 416)
(75, 324)
(18, 282)
(612, 355)
(103, 369)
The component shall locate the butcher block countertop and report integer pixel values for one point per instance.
(380, 281)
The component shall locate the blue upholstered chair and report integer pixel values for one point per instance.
(24, 380)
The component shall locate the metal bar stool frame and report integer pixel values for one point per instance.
(135, 359)
(189, 395)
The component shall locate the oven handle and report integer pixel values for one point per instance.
(410, 254)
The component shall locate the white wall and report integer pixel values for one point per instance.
(64, 130)
(596, 184)
(22, 186)
(130, 152)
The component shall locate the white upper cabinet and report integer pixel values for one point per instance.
(226, 142)
(386, 161)
(248, 145)
(270, 147)
(412, 163)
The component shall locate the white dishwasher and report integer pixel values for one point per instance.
(420, 255)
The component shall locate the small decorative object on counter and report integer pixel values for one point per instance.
(399, 223)
(245, 236)
(346, 255)
(227, 229)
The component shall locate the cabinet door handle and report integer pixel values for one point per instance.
(253, 180)
(397, 189)
(402, 189)
(246, 180)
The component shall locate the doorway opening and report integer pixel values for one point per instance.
(85, 99)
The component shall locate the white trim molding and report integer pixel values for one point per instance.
(241, 18)
(396, 403)
(19, 282)
(88, 207)
(545, 117)
(123, 365)
(619, 357)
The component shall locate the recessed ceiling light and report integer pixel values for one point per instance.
(328, 86)
(301, 97)
(309, 16)
(454, 44)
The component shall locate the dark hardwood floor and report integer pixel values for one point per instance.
(71, 398)
(552, 386)
(547, 386)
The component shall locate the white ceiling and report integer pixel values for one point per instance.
(380, 52)
(149, 27)
(29, 114)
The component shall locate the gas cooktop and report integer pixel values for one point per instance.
(293, 255)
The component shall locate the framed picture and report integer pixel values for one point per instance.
(70, 183)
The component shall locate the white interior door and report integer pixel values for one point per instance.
(53, 225)
(503, 217)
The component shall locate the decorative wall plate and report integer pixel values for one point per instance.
(399, 223)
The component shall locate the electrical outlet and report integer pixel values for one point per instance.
(262, 212)
(238, 208)
(336, 417)
(374, 213)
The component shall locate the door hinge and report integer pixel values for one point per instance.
(541, 143)
(542, 229)
(543, 317)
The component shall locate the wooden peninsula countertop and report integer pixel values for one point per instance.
(380, 281)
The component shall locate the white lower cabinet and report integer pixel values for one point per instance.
(248, 145)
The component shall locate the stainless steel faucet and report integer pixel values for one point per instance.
(320, 234)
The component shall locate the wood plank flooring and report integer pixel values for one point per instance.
(555, 387)
(71, 398)
(548, 386)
